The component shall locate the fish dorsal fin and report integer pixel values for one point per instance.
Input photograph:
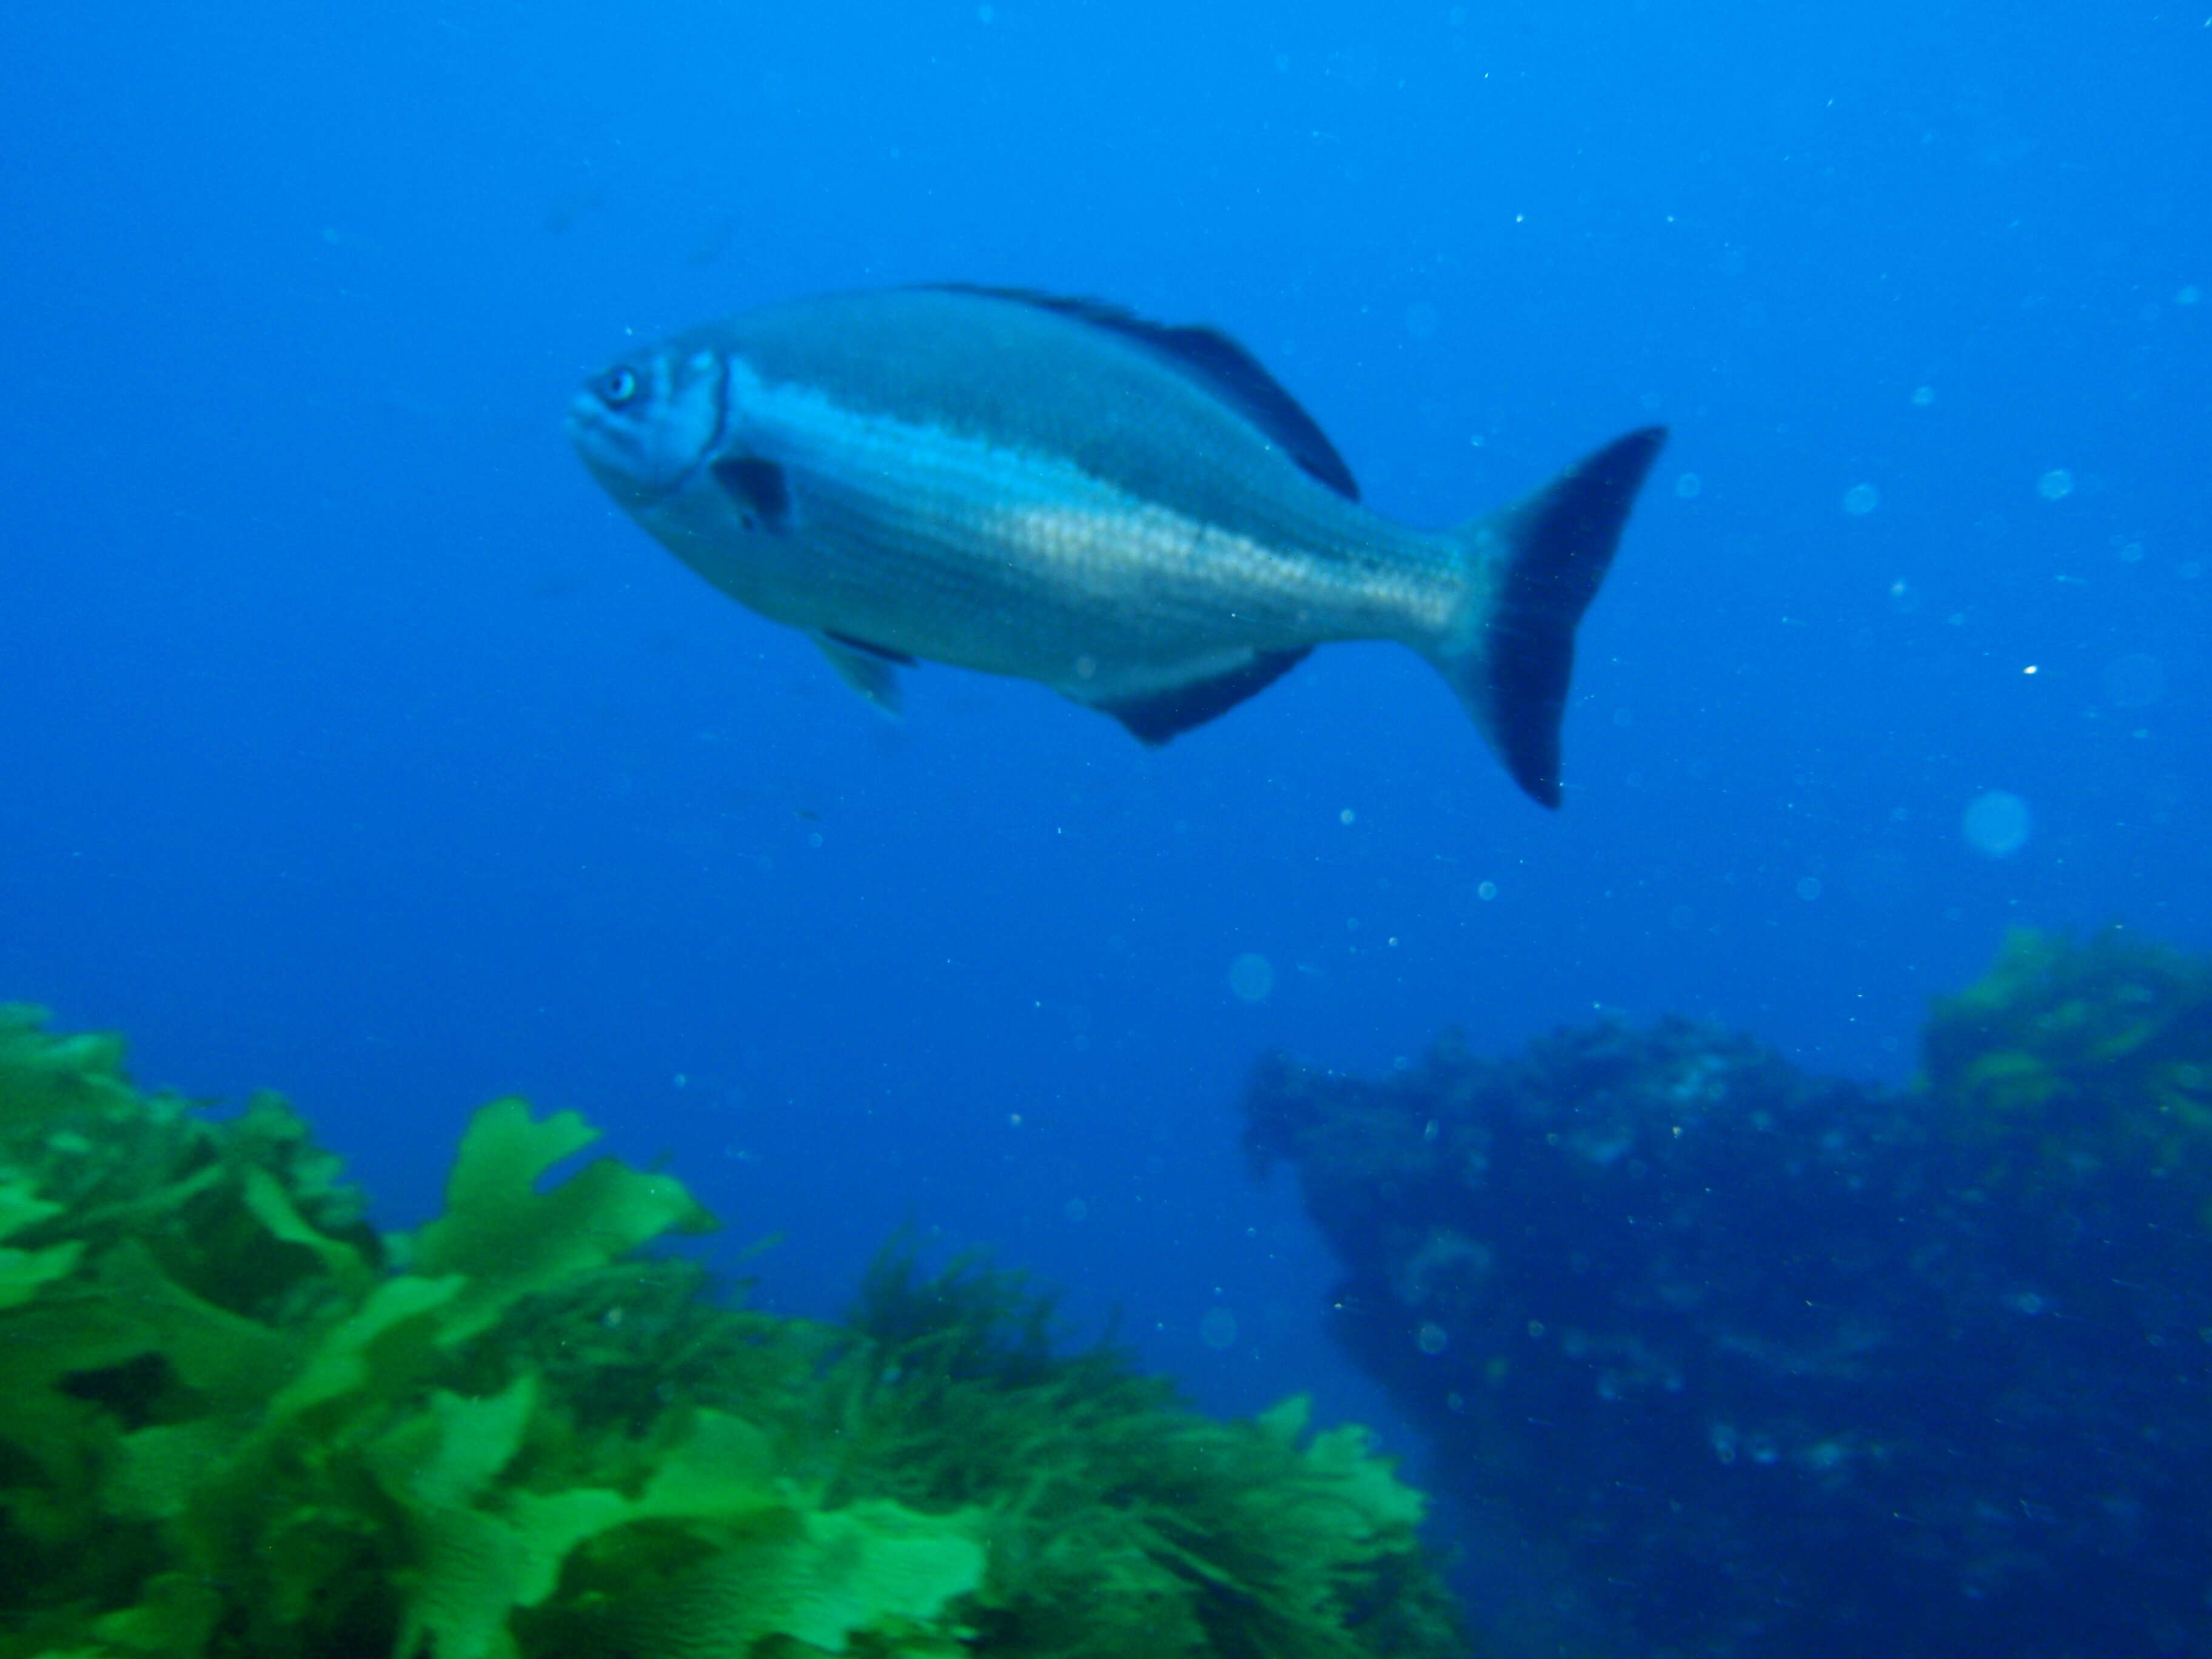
(1158, 715)
(1215, 360)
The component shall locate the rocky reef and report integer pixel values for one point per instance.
(236, 1420)
(1780, 1365)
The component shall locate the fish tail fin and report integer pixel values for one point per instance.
(1533, 568)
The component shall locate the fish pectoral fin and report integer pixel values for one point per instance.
(1156, 716)
(758, 487)
(870, 669)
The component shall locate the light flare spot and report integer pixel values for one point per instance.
(1251, 977)
(1997, 823)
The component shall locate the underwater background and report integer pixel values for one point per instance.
(360, 748)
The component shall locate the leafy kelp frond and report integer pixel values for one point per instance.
(232, 1425)
(2077, 1061)
(509, 1240)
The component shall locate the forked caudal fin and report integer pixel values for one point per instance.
(1535, 567)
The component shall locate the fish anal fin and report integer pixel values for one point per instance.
(873, 674)
(757, 486)
(1216, 362)
(1157, 716)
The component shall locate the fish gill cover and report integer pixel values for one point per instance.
(1787, 1365)
(236, 1420)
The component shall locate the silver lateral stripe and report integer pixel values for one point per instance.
(1078, 534)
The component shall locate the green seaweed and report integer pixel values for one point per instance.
(235, 1420)
(2080, 1061)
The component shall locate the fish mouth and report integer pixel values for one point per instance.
(608, 450)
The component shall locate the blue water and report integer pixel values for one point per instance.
(357, 746)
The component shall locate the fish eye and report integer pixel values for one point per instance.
(618, 387)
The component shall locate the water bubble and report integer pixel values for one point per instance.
(2134, 681)
(1688, 485)
(1348, 816)
(1431, 1339)
(1861, 500)
(1487, 891)
(1904, 597)
(1923, 396)
(1217, 1330)
(1997, 823)
(1251, 977)
(1808, 888)
(2055, 485)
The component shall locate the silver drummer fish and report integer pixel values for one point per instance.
(1136, 515)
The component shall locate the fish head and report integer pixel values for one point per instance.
(647, 425)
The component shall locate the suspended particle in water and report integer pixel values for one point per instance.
(1688, 485)
(1808, 888)
(1997, 823)
(1217, 1330)
(2134, 681)
(1923, 396)
(1904, 597)
(1421, 319)
(2055, 485)
(1487, 891)
(1251, 977)
(1431, 1339)
(1861, 500)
